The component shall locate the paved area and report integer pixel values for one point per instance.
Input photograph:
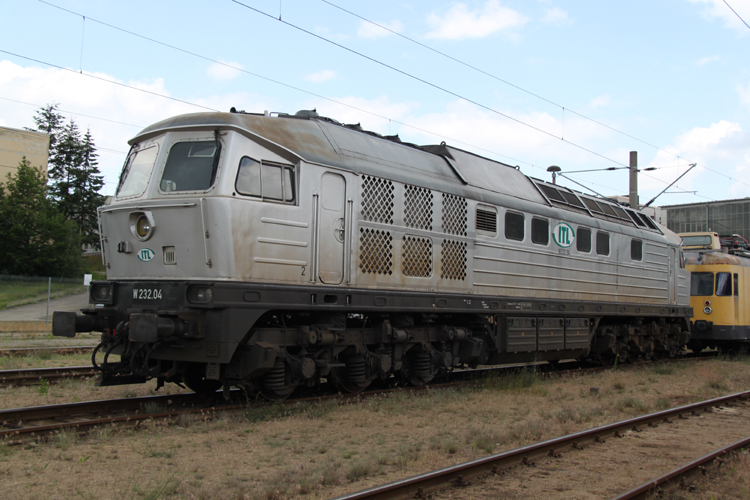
(38, 311)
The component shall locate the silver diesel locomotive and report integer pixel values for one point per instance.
(272, 250)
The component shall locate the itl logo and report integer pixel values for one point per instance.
(563, 235)
(146, 254)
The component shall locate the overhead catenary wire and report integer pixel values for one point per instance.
(430, 84)
(75, 113)
(277, 82)
(350, 106)
(528, 92)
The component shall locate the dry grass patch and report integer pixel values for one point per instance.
(320, 450)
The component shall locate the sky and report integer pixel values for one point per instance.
(577, 84)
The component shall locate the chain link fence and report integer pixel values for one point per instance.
(21, 290)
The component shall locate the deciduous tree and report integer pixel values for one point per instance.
(37, 239)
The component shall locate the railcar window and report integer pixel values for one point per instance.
(736, 285)
(701, 284)
(514, 226)
(268, 181)
(636, 249)
(602, 243)
(137, 172)
(723, 284)
(583, 240)
(191, 166)
(540, 231)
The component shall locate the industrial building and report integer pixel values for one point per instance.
(15, 144)
(725, 217)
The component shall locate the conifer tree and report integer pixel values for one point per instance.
(74, 177)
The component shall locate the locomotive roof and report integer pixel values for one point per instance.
(321, 140)
(315, 139)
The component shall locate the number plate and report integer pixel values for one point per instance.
(147, 294)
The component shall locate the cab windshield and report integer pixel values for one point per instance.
(191, 166)
(697, 241)
(137, 172)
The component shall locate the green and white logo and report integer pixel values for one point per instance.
(146, 254)
(563, 235)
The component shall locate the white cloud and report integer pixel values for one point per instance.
(321, 76)
(718, 9)
(556, 16)
(366, 111)
(600, 102)
(705, 60)
(722, 147)
(83, 95)
(224, 70)
(371, 31)
(459, 22)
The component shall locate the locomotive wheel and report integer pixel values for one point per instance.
(278, 383)
(194, 377)
(277, 394)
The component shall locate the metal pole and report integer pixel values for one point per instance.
(49, 289)
(634, 180)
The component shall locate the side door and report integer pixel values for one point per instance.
(331, 228)
(673, 263)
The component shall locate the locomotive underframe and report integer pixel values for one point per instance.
(273, 337)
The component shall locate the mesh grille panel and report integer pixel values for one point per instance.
(453, 260)
(375, 251)
(377, 200)
(416, 257)
(418, 208)
(454, 215)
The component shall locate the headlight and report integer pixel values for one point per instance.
(142, 225)
(707, 310)
(102, 293)
(200, 294)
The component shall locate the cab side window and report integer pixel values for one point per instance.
(266, 180)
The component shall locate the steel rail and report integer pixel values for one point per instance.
(673, 478)
(13, 419)
(430, 481)
(30, 351)
(25, 376)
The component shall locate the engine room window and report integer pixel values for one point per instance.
(268, 181)
(602, 243)
(137, 172)
(191, 166)
(702, 284)
(540, 231)
(736, 285)
(636, 249)
(723, 284)
(583, 240)
(514, 226)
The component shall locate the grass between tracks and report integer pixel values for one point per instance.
(326, 449)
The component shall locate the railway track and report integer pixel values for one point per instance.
(21, 424)
(462, 475)
(35, 351)
(31, 376)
